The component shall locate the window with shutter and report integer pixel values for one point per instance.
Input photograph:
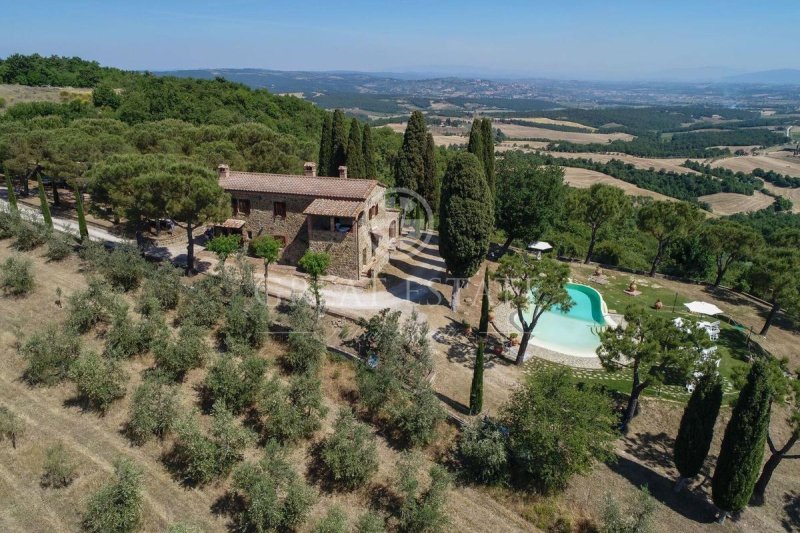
(279, 209)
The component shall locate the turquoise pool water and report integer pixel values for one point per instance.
(573, 332)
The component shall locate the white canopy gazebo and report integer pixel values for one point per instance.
(539, 247)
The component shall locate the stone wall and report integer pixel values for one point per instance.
(342, 249)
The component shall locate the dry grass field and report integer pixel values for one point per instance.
(543, 120)
(515, 131)
(15, 94)
(776, 161)
(791, 194)
(728, 203)
(583, 179)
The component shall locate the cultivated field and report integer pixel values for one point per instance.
(516, 131)
(791, 194)
(646, 163)
(583, 179)
(543, 120)
(728, 203)
(15, 94)
(776, 161)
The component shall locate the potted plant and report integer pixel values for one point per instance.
(467, 327)
(491, 315)
(514, 338)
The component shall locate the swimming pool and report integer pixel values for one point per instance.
(574, 332)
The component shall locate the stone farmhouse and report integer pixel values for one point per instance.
(344, 217)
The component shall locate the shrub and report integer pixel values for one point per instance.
(370, 522)
(292, 413)
(117, 506)
(637, 518)
(59, 468)
(224, 246)
(202, 304)
(163, 284)
(92, 253)
(153, 409)
(11, 426)
(59, 246)
(414, 415)
(274, 496)
(481, 451)
(188, 351)
(124, 267)
(307, 338)
(9, 220)
(99, 381)
(30, 235)
(246, 322)
(235, 383)
(204, 458)
(49, 353)
(350, 453)
(124, 339)
(16, 277)
(422, 511)
(334, 521)
(95, 305)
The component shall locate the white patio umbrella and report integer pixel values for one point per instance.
(704, 308)
(539, 247)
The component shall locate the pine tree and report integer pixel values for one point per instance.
(339, 143)
(12, 198)
(355, 153)
(370, 170)
(697, 427)
(476, 389)
(742, 450)
(410, 165)
(475, 144)
(465, 220)
(488, 153)
(48, 220)
(326, 146)
(83, 230)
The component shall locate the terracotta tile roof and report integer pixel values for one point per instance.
(314, 186)
(334, 208)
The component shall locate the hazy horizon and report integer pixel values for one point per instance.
(624, 41)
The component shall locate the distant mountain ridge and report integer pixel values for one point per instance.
(786, 76)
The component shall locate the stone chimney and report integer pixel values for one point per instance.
(310, 169)
(223, 171)
(343, 172)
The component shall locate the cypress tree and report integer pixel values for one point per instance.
(488, 153)
(12, 198)
(339, 143)
(355, 153)
(410, 165)
(483, 326)
(83, 230)
(428, 188)
(475, 144)
(465, 220)
(43, 201)
(697, 427)
(742, 450)
(476, 390)
(370, 171)
(326, 146)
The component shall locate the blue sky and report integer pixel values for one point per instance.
(573, 39)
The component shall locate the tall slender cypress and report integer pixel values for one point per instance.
(476, 389)
(339, 142)
(410, 165)
(483, 326)
(742, 450)
(355, 153)
(475, 144)
(488, 153)
(12, 198)
(43, 201)
(428, 187)
(697, 427)
(326, 146)
(83, 230)
(370, 170)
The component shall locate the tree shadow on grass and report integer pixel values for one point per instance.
(688, 504)
(654, 450)
(231, 505)
(453, 404)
